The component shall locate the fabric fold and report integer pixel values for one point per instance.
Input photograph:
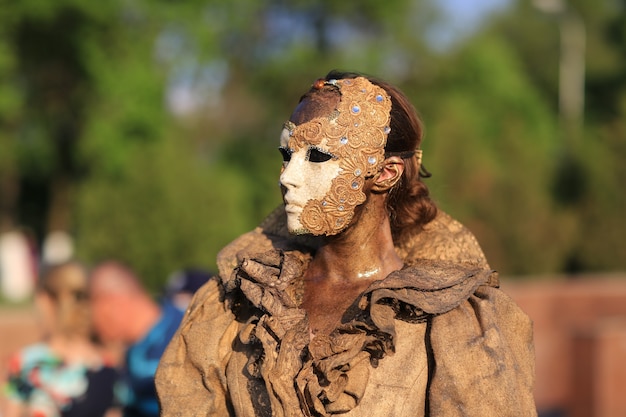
(454, 343)
(332, 371)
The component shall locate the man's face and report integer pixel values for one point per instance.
(327, 159)
(107, 318)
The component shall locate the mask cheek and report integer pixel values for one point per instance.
(332, 213)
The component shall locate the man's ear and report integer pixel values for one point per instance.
(389, 175)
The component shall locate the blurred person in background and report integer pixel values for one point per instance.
(128, 318)
(18, 265)
(183, 284)
(66, 374)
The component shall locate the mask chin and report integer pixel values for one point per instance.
(328, 217)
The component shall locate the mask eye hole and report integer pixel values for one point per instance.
(286, 153)
(318, 155)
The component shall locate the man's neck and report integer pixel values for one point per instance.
(365, 251)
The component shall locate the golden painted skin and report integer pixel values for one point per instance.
(354, 254)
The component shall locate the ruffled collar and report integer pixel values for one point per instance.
(331, 372)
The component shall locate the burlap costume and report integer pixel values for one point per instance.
(437, 338)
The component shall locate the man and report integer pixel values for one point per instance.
(125, 316)
(358, 297)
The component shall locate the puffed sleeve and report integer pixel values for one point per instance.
(191, 373)
(483, 359)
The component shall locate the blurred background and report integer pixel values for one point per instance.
(146, 131)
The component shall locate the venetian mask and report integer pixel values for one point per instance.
(327, 159)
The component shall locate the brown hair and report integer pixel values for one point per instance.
(66, 285)
(409, 204)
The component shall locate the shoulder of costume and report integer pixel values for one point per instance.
(447, 240)
(443, 239)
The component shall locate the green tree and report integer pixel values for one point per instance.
(148, 129)
(584, 181)
(490, 144)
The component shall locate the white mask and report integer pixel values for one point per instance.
(328, 158)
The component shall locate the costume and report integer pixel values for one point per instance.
(437, 338)
(142, 359)
(49, 387)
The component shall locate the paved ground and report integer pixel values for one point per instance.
(18, 326)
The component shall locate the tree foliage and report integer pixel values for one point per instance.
(148, 128)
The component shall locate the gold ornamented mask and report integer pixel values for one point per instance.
(352, 139)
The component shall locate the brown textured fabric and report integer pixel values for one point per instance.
(457, 346)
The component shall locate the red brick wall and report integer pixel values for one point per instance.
(580, 342)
